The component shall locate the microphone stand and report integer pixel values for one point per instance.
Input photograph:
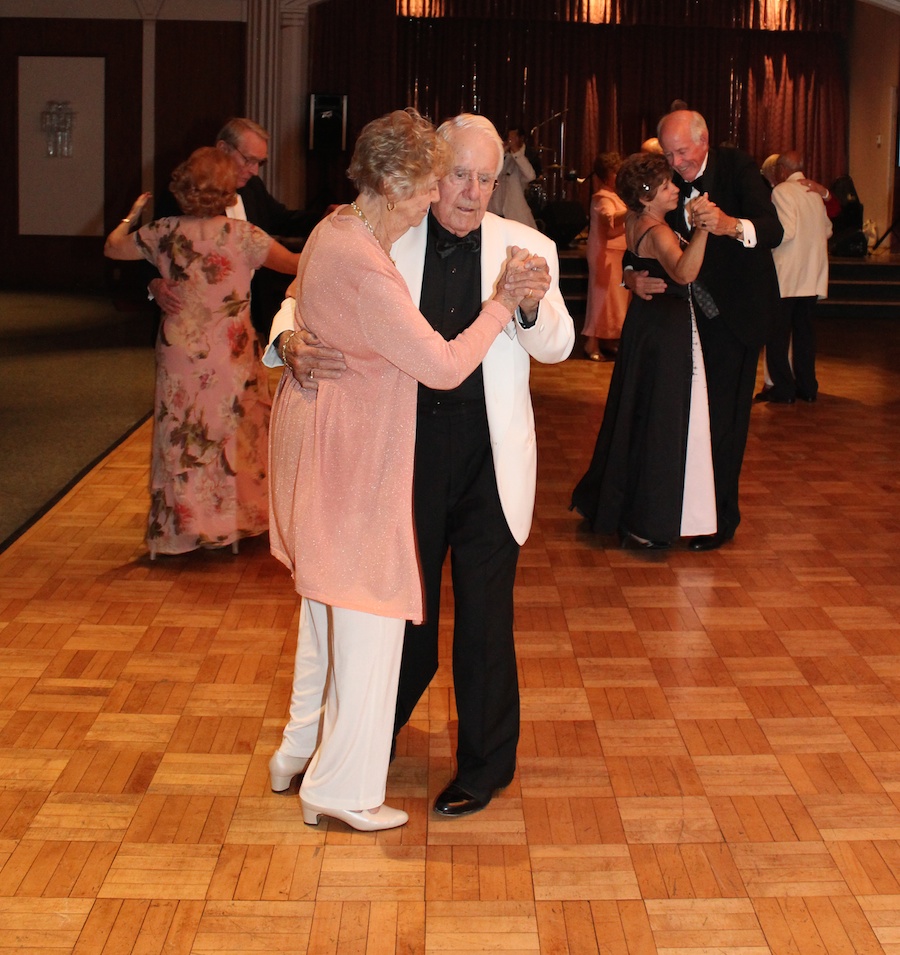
(560, 115)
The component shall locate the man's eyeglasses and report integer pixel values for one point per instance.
(462, 177)
(250, 160)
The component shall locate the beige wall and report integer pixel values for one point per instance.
(874, 72)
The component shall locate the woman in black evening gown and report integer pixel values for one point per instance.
(651, 478)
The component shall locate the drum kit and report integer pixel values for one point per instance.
(549, 195)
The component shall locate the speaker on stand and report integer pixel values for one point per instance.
(327, 122)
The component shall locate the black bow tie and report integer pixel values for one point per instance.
(688, 187)
(469, 243)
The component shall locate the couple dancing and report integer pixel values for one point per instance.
(668, 456)
(651, 477)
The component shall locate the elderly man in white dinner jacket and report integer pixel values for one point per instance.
(476, 454)
(801, 263)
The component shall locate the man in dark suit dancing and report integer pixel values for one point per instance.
(247, 145)
(739, 274)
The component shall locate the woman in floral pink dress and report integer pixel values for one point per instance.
(208, 472)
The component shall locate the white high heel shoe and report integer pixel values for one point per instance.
(364, 821)
(283, 768)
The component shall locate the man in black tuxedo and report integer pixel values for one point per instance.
(247, 144)
(739, 274)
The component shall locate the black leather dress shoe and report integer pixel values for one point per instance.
(708, 542)
(768, 394)
(455, 801)
(803, 396)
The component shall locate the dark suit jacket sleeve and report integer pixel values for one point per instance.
(265, 211)
(741, 280)
(754, 202)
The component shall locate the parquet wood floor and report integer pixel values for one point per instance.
(710, 753)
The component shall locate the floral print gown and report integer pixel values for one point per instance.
(208, 471)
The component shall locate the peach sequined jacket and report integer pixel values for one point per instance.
(341, 458)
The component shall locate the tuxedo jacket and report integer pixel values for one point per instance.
(801, 261)
(507, 366)
(265, 211)
(742, 281)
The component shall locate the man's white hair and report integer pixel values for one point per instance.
(481, 124)
(697, 124)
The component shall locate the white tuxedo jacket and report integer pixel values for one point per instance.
(801, 260)
(507, 365)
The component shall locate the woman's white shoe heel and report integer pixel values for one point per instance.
(283, 768)
(364, 821)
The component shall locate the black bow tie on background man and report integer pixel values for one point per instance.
(447, 246)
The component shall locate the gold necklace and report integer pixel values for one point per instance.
(368, 225)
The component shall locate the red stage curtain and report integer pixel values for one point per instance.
(590, 87)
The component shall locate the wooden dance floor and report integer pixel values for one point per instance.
(710, 752)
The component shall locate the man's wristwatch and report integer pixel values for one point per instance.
(739, 229)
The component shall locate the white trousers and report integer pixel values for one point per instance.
(342, 704)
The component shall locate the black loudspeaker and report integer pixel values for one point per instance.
(562, 221)
(328, 121)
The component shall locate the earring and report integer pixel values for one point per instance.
(390, 207)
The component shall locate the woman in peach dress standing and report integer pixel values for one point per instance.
(607, 300)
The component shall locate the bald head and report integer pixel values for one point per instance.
(787, 164)
(791, 161)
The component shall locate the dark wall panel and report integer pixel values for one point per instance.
(62, 262)
(199, 84)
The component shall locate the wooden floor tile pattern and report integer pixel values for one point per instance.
(710, 750)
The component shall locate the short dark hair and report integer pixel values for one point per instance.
(235, 128)
(639, 177)
(606, 163)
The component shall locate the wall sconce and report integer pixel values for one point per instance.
(57, 122)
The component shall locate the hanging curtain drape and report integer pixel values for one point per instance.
(829, 15)
(586, 87)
